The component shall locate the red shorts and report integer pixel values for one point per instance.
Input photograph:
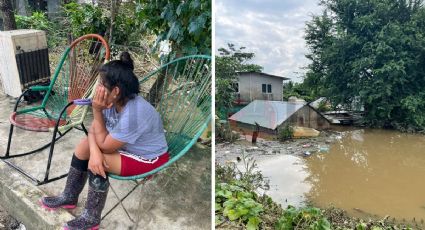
(132, 165)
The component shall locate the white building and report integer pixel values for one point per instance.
(258, 86)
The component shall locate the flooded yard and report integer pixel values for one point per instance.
(371, 173)
(366, 172)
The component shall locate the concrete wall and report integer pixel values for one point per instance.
(307, 117)
(250, 87)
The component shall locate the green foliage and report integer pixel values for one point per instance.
(238, 204)
(323, 106)
(224, 132)
(304, 218)
(249, 177)
(225, 95)
(285, 133)
(39, 21)
(187, 24)
(298, 90)
(235, 195)
(88, 18)
(85, 19)
(372, 51)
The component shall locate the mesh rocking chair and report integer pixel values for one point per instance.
(60, 110)
(181, 93)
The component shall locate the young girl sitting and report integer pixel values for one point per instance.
(126, 138)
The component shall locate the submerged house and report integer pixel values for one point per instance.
(271, 115)
(258, 86)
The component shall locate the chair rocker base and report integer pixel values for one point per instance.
(49, 160)
(33, 179)
(51, 144)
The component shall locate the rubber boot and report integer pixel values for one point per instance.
(69, 197)
(91, 216)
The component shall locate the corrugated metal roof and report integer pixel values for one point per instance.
(268, 114)
(263, 74)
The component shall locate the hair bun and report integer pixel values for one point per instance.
(126, 59)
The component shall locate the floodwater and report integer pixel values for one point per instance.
(287, 174)
(368, 173)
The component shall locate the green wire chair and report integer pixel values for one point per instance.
(181, 93)
(74, 78)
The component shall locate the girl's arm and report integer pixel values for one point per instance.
(104, 141)
(96, 161)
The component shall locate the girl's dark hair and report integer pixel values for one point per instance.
(120, 73)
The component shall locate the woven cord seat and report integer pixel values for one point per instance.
(182, 95)
(34, 123)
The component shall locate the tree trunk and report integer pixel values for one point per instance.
(115, 4)
(9, 22)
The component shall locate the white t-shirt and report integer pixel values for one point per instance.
(139, 125)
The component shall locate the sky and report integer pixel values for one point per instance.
(272, 29)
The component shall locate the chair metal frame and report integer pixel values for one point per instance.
(142, 178)
(59, 130)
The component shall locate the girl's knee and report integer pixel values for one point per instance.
(82, 150)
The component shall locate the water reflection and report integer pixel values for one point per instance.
(371, 172)
(287, 174)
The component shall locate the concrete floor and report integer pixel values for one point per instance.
(177, 198)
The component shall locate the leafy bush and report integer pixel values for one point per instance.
(285, 133)
(85, 19)
(304, 218)
(224, 132)
(323, 106)
(39, 21)
(236, 198)
(238, 204)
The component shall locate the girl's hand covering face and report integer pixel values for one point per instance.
(100, 99)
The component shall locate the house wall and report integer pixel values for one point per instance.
(248, 128)
(250, 87)
(307, 117)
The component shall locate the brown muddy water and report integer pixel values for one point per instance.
(368, 173)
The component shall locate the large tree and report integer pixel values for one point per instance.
(8, 15)
(371, 52)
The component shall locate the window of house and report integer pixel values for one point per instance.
(266, 88)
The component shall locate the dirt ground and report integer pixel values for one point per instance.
(8, 222)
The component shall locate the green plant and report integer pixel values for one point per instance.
(285, 133)
(37, 20)
(238, 204)
(323, 106)
(303, 218)
(186, 24)
(246, 175)
(224, 132)
(236, 198)
(85, 19)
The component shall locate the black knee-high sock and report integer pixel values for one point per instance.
(81, 165)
